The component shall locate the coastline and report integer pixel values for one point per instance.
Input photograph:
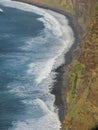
(60, 85)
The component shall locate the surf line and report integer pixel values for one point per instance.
(68, 56)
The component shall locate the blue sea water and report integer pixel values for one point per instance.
(32, 44)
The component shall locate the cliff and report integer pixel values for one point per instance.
(81, 95)
(82, 91)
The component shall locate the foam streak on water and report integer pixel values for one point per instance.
(47, 53)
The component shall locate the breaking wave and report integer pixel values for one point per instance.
(48, 49)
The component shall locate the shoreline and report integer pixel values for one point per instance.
(59, 87)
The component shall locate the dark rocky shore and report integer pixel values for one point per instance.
(61, 83)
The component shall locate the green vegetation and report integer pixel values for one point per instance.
(76, 80)
(82, 93)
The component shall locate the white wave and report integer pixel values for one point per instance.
(49, 21)
(42, 70)
(39, 40)
(49, 119)
(17, 89)
(38, 105)
(1, 10)
(47, 122)
(58, 26)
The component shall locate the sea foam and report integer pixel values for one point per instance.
(1, 10)
(56, 25)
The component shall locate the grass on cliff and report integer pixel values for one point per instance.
(75, 80)
(82, 95)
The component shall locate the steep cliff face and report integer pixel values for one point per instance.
(82, 92)
(82, 9)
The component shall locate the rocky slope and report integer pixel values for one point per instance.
(81, 95)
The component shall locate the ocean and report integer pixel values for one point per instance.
(33, 42)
